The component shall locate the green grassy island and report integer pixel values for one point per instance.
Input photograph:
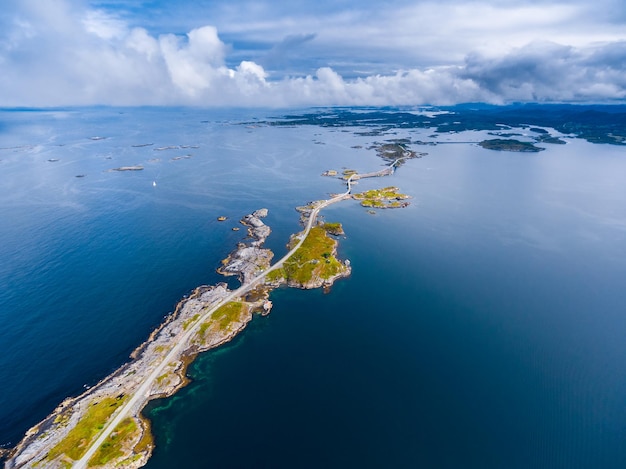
(387, 197)
(314, 264)
(334, 229)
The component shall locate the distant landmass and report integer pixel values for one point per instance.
(504, 144)
(594, 123)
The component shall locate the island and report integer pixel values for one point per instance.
(388, 197)
(505, 144)
(314, 264)
(128, 168)
(104, 426)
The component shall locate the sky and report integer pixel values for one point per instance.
(310, 52)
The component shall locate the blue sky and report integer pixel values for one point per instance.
(340, 52)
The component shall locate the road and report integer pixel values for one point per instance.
(141, 396)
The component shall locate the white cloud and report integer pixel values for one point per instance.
(250, 79)
(140, 41)
(103, 25)
(192, 64)
(69, 54)
(545, 71)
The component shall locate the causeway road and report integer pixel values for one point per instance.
(140, 397)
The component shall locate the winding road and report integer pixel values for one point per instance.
(141, 396)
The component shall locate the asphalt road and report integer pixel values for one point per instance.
(141, 396)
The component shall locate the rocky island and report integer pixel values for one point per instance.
(249, 259)
(388, 197)
(128, 168)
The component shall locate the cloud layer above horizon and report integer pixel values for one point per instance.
(261, 53)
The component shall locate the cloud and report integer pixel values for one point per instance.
(545, 71)
(193, 64)
(285, 51)
(72, 54)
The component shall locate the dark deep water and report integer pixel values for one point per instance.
(483, 326)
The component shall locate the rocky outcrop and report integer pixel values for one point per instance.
(249, 259)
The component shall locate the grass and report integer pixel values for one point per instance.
(221, 319)
(113, 447)
(229, 313)
(189, 321)
(390, 192)
(313, 258)
(275, 275)
(78, 439)
(62, 418)
(334, 228)
(387, 197)
(146, 439)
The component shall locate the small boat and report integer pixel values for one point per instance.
(153, 183)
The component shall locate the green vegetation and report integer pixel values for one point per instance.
(190, 321)
(229, 313)
(314, 259)
(204, 327)
(275, 275)
(388, 197)
(334, 228)
(146, 440)
(503, 144)
(222, 318)
(77, 440)
(62, 418)
(112, 448)
(373, 203)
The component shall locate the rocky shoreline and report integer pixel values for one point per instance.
(248, 260)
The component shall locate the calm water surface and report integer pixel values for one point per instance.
(482, 326)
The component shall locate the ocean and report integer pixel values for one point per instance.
(482, 326)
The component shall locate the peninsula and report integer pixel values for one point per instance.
(104, 427)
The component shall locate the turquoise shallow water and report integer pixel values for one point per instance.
(482, 326)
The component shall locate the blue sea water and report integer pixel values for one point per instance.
(482, 326)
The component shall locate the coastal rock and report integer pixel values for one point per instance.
(128, 168)
(252, 220)
(260, 213)
(248, 260)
